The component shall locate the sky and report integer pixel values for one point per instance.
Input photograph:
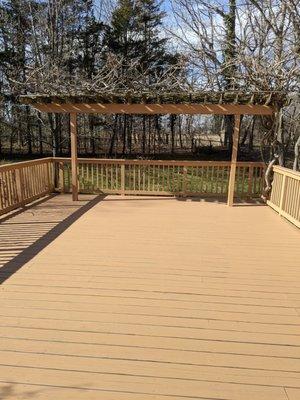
(166, 5)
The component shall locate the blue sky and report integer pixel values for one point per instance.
(166, 5)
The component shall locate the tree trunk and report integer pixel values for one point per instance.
(172, 126)
(144, 136)
(28, 132)
(40, 131)
(124, 134)
(296, 165)
(113, 137)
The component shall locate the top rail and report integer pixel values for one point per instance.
(286, 171)
(23, 164)
(122, 161)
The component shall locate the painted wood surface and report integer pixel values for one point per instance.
(150, 298)
(285, 195)
(155, 177)
(21, 183)
(24, 182)
(154, 109)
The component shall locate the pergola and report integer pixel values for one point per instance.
(236, 104)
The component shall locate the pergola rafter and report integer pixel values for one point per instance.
(236, 104)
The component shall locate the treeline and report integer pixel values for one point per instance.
(86, 46)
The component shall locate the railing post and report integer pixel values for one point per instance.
(74, 159)
(282, 194)
(123, 179)
(231, 184)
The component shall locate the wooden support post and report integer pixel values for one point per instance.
(74, 160)
(236, 135)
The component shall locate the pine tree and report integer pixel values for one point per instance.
(135, 36)
(152, 47)
(123, 38)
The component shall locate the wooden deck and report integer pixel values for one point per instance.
(149, 298)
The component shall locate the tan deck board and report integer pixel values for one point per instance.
(149, 298)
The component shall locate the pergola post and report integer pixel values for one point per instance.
(74, 159)
(236, 135)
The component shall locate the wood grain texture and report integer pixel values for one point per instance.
(24, 182)
(150, 298)
(152, 109)
(285, 196)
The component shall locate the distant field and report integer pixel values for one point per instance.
(14, 160)
(6, 161)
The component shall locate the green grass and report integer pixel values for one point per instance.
(196, 181)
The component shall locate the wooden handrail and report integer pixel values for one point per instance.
(161, 177)
(287, 171)
(23, 182)
(22, 164)
(285, 195)
(121, 161)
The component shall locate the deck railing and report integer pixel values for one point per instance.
(285, 195)
(21, 183)
(152, 177)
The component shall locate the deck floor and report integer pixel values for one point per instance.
(147, 299)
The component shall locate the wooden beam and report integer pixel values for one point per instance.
(74, 159)
(236, 135)
(153, 109)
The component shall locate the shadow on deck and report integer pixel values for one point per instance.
(25, 233)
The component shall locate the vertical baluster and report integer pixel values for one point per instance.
(217, 179)
(250, 181)
(28, 182)
(9, 188)
(111, 176)
(134, 177)
(153, 177)
(7, 194)
(139, 175)
(201, 179)
(13, 186)
(97, 176)
(213, 180)
(123, 179)
(106, 176)
(148, 177)
(92, 177)
(208, 179)
(1, 191)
